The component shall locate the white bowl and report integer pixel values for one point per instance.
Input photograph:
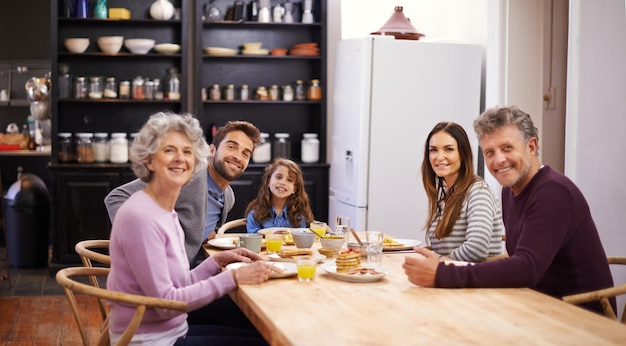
(76, 45)
(252, 45)
(332, 243)
(110, 44)
(167, 48)
(139, 45)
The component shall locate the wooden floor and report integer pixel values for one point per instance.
(46, 320)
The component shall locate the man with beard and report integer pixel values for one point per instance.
(205, 201)
(203, 205)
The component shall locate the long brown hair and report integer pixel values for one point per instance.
(434, 185)
(298, 207)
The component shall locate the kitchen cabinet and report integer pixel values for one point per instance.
(293, 117)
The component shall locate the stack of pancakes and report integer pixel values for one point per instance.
(347, 259)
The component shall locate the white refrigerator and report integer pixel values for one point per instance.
(388, 95)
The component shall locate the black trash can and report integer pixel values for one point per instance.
(27, 209)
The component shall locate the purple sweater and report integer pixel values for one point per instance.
(148, 258)
(552, 242)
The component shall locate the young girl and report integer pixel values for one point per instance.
(282, 200)
(464, 218)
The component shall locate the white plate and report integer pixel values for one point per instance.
(402, 244)
(289, 269)
(331, 269)
(222, 243)
(276, 258)
(271, 230)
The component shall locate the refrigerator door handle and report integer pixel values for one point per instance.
(349, 155)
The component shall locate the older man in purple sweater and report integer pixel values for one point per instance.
(551, 239)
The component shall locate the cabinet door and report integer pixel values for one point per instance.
(78, 209)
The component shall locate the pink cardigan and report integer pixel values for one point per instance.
(148, 258)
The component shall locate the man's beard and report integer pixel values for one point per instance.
(220, 167)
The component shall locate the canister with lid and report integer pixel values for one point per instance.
(300, 94)
(80, 88)
(281, 146)
(138, 88)
(64, 153)
(110, 88)
(244, 93)
(118, 147)
(315, 90)
(263, 151)
(229, 92)
(101, 146)
(96, 87)
(310, 148)
(125, 89)
(84, 148)
(214, 93)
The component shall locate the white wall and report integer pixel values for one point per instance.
(596, 117)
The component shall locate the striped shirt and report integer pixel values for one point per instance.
(477, 234)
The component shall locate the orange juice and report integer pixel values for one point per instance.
(306, 272)
(319, 228)
(274, 245)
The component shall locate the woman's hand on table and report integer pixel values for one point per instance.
(240, 254)
(254, 273)
(420, 270)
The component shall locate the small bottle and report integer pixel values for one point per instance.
(310, 148)
(84, 148)
(274, 92)
(263, 151)
(148, 91)
(125, 89)
(300, 95)
(287, 93)
(64, 153)
(101, 146)
(215, 94)
(65, 82)
(138, 88)
(261, 94)
(282, 146)
(229, 93)
(158, 91)
(244, 93)
(118, 147)
(173, 85)
(110, 88)
(315, 91)
(80, 88)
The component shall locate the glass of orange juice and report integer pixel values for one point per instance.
(273, 243)
(306, 267)
(319, 228)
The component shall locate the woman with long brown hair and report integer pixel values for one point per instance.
(282, 200)
(464, 218)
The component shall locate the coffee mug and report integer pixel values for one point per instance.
(251, 242)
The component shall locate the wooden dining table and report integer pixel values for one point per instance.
(393, 311)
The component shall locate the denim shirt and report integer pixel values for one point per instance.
(273, 221)
(214, 207)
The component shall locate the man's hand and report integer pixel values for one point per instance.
(421, 270)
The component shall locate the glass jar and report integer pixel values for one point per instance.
(96, 88)
(101, 146)
(138, 85)
(263, 151)
(215, 94)
(125, 89)
(261, 94)
(118, 148)
(80, 88)
(64, 153)
(310, 148)
(173, 85)
(158, 91)
(300, 95)
(315, 91)
(110, 88)
(149, 90)
(274, 92)
(229, 92)
(84, 148)
(282, 146)
(65, 82)
(244, 94)
(287, 93)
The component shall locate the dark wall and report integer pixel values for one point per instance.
(25, 29)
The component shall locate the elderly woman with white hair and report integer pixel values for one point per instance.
(148, 247)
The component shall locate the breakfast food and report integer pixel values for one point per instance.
(363, 271)
(288, 253)
(347, 260)
(389, 242)
(288, 239)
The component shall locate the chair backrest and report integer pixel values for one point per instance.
(65, 278)
(231, 225)
(87, 255)
(602, 295)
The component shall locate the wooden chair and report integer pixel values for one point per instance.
(85, 250)
(231, 225)
(65, 278)
(602, 295)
